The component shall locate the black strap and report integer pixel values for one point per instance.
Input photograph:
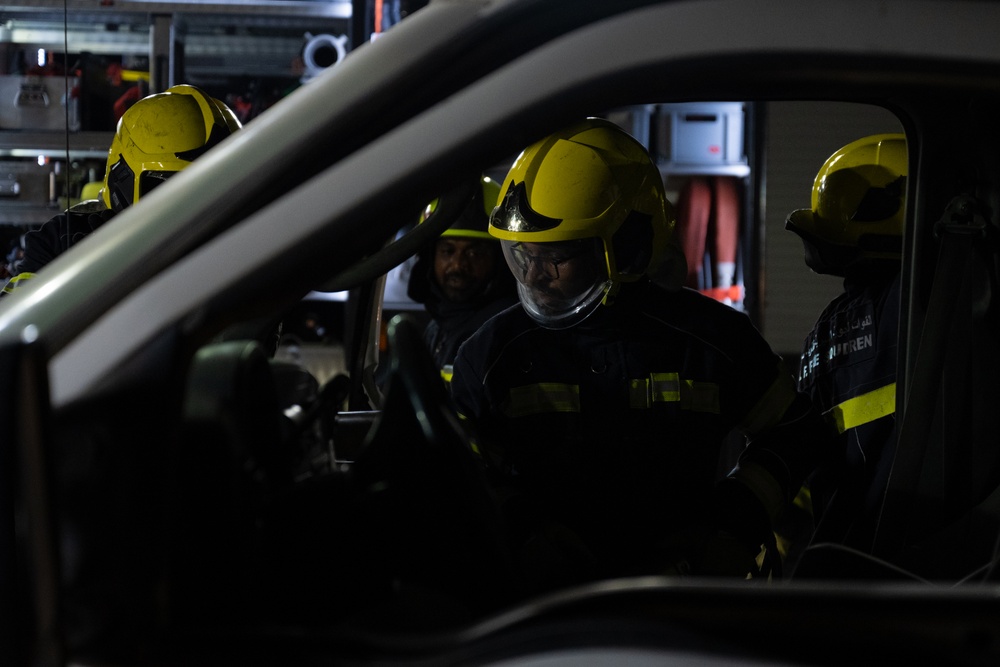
(960, 226)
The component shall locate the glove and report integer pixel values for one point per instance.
(723, 554)
(711, 551)
(554, 557)
(730, 544)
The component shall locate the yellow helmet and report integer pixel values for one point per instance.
(160, 135)
(475, 219)
(858, 206)
(591, 180)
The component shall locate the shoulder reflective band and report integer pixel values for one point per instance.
(768, 490)
(535, 399)
(865, 408)
(473, 445)
(12, 283)
(671, 388)
(772, 405)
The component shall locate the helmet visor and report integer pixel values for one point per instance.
(559, 284)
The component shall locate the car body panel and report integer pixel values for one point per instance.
(319, 183)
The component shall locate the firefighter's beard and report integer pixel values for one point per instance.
(556, 310)
(459, 287)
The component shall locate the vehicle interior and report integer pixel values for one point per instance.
(266, 468)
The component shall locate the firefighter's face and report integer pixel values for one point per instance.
(462, 267)
(554, 272)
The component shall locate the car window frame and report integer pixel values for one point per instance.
(519, 102)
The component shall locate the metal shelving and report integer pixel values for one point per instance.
(222, 38)
(33, 144)
(215, 41)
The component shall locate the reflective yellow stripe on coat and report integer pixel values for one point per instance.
(13, 282)
(544, 397)
(865, 408)
(643, 393)
(671, 388)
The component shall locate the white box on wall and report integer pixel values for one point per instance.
(703, 138)
(38, 103)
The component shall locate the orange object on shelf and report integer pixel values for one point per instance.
(733, 293)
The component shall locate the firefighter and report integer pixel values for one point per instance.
(155, 138)
(854, 230)
(602, 405)
(461, 278)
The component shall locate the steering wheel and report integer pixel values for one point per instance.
(433, 516)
